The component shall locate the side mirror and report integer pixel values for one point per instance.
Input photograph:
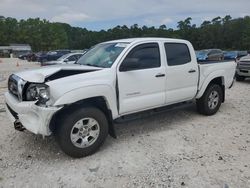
(130, 64)
(66, 60)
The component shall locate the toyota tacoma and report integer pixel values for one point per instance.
(79, 103)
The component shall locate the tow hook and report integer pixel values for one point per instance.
(18, 125)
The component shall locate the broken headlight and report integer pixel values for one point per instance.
(38, 92)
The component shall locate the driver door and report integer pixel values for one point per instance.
(141, 85)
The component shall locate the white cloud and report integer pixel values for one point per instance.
(70, 17)
(167, 21)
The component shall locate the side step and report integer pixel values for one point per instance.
(147, 113)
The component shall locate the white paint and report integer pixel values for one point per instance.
(138, 90)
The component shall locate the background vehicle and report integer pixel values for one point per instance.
(52, 55)
(110, 82)
(40, 55)
(234, 55)
(23, 56)
(210, 54)
(243, 68)
(28, 56)
(70, 58)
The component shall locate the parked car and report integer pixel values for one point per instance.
(40, 56)
(210, 54)
(31, 57)
(243, 68)
(70, 58)
(113, 81)
(25, 56)
(52, 55)
(234, 55)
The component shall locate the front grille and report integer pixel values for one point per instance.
(13, 86)
(244, 65)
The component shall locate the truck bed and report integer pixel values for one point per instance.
(210, 69)
(212, 62)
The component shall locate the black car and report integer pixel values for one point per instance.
(51, 55)
(24, 56)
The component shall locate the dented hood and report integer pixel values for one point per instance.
(40, 75)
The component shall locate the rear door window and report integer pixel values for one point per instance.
(177, 54)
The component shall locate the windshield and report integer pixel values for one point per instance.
(102, 55)
(63, 57)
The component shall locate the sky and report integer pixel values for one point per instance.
(105, 14)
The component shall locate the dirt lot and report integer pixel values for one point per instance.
(172, 149)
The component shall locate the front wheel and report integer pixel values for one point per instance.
(82, 132)
(211, 100)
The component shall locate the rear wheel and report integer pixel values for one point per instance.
(82, 132)
(211, 100)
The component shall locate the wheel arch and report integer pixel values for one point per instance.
(219, 80)
(99, 102)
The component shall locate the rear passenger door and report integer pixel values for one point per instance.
(182, 73)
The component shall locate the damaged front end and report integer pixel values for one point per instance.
(30, 116)
(29, 101)
(26, 106)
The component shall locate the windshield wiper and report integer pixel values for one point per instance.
(91, 65)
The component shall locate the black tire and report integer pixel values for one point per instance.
(203, 103)
(65, 127)
(239, 78)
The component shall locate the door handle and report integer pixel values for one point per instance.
(159, 75)
(191, 71)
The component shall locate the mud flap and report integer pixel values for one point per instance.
(112, 131)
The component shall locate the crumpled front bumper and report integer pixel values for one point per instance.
(35, 119)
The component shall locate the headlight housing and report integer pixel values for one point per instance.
(38, 92)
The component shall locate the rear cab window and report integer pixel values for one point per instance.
(177, 54)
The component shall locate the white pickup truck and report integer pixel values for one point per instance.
(80, 102)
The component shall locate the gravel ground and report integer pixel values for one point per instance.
(171, 149)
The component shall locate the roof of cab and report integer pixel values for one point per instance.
(132, 40)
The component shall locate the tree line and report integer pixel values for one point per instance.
(42, 35)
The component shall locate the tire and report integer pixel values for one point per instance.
(239, 78)
(73, 138)
(211, 100)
